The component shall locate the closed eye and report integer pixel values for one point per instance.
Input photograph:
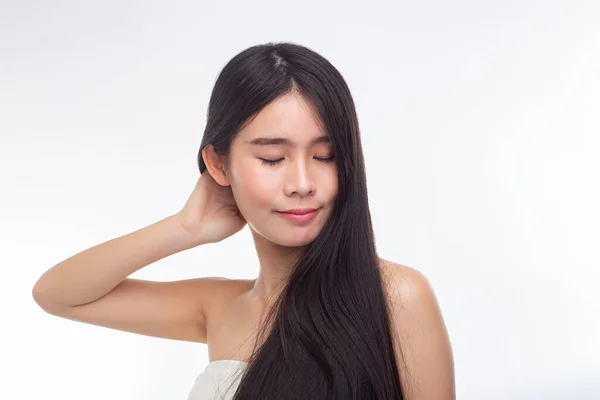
(275, 162)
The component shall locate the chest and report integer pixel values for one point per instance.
(233, 322)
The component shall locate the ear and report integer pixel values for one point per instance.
(216, 165)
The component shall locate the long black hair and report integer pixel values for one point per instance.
(328, 335)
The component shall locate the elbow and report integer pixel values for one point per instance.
(38, 295)
(41, 298)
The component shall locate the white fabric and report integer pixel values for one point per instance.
(219, 380)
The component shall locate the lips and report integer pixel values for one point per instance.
(293, 215)
(299, 211)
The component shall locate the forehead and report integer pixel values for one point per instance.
(287, 121)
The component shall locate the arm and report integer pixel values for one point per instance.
(92, 286)
(94, 272)
(427, 365)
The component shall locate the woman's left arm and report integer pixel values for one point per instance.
(426, 360)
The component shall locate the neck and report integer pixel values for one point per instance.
(275, 267)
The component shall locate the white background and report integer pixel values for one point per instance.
(480, 128)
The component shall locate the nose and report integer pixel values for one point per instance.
(299, 179)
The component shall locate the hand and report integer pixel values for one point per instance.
(210, 213)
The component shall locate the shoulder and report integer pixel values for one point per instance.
(424, 354)
(223, 293)
(409, 292)
(406, 284)
(223, 287)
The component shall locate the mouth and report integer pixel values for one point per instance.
(304, 215)
(299, 211)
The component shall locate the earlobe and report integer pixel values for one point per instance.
(215, 165)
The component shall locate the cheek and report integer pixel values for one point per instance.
(330, 184)
(253, 186)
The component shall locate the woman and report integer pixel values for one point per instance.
(326, 318)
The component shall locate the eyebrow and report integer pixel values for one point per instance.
(262, 141)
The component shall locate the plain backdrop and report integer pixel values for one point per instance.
(480, 127)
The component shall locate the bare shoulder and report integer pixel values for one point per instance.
(223, 293)
(224, 290)
(424, 354)
(405, 283)
(412, 298)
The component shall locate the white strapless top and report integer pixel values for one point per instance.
(219, 381)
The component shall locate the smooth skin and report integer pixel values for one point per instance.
(93, 286)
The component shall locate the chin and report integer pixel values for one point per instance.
(296, 243)
(289, 239)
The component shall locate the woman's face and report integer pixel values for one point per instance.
(300, 171)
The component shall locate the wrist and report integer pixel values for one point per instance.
(180, 237)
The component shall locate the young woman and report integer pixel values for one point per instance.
(326, 318)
